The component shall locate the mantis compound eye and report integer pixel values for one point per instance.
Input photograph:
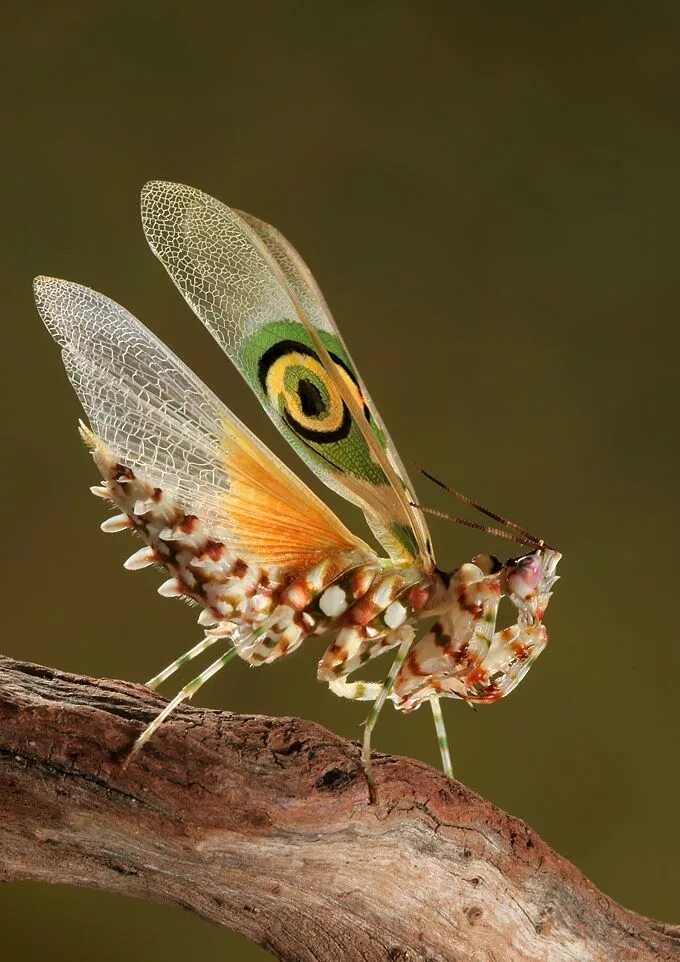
(523, 575)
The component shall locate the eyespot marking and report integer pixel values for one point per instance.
(298, 386)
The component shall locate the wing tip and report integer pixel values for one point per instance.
(153, 189)
(174, 195)
(153, 186)
(42, 282)
(64, 306)
(157, 196)
(46, 290)
(45, 282)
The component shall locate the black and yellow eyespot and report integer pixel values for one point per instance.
(296, 384)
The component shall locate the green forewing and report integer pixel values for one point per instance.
(315, 436)
(258, 299)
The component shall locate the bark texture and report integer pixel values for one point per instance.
(263, 825)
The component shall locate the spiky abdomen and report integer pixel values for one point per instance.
(204, 570)
(265, 611)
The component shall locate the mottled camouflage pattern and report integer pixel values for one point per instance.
(463, 656)
(262, 613)
(366, 607)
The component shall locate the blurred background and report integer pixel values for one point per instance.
(489, 199)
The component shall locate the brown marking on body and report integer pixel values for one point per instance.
(441, 639)
(296, 595)
(340, 656)
(212, 551)
(360, 581)
(264, 586)
(361, 613)
(474, 608)
(122, 473)
(188, 524)
(163, 549)
(491, 694)
(461, 656)
(418, 597)
(279, 628)
(240, 569)
(413, 666)
(477, 676)
(303, 620)
(519, 650)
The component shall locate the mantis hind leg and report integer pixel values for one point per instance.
(184, 694)
(189, 690)
(405, 637)
(183, 659)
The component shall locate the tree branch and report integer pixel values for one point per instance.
(263, 825)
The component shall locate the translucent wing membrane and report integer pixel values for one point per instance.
(259, 300)
(158, 418)
(308, 294)
(297, 275)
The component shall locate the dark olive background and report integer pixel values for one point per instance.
(490, 202)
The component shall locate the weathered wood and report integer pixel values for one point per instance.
(263, 825)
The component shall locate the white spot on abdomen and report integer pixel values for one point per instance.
(395, 615)
(333, 602)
